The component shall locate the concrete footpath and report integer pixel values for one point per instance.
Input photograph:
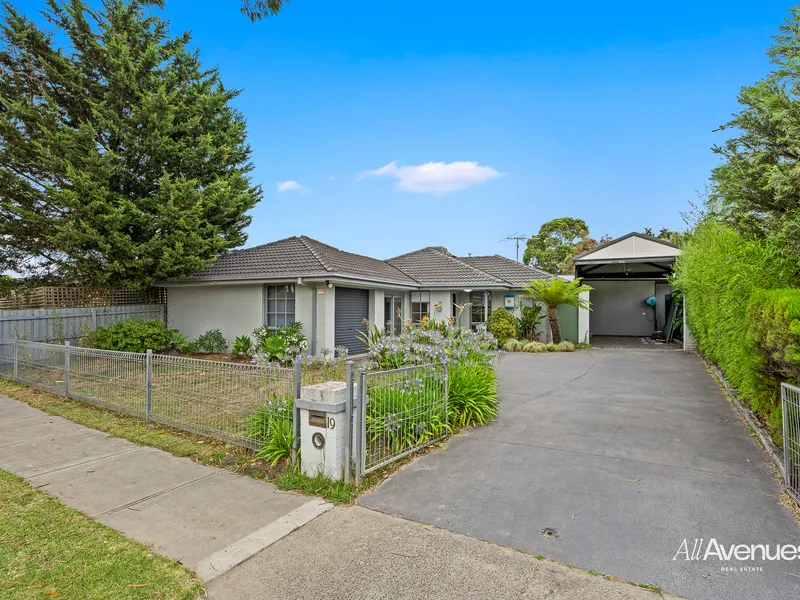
(206, 518)
(354, 553)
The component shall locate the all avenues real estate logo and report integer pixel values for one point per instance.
(700, 550)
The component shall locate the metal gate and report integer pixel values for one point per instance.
(396, 413)
(790, 404)
(351, 309)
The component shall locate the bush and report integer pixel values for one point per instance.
(211, 341)
(502, 325)
(531, 317)
(534, 347)
(564, 346)
(294, 342)
(513, 346)
(583, 346)
(472, 396)
(132, 336)
(242, 346)
(774, 330)
(718, 272)
(273, 425)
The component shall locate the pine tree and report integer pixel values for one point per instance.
(122, 160)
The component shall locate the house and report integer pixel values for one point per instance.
(624, 272)
(333, 292)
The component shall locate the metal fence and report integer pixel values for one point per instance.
(790, 404)
(242, 404)
(398, 412)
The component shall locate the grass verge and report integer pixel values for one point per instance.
(50, 550)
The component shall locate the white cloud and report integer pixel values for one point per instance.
(290, 186)
(434, 177)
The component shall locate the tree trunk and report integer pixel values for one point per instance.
(555, 328)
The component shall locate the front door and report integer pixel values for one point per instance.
(481, 307)
(393, 313)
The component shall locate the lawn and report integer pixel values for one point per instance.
(50, 551)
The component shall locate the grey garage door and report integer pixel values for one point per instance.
(618, 308)
(351, 309)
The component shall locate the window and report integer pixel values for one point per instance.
(420, 306)
(279, 311)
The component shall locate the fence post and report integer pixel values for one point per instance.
(360, 431)
(149, 386)
(16, 360)
(66, 369)
(297, 379)
(348, 451)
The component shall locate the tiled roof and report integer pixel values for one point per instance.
(433, 267)
(294, 257)
(506, 269)
(301, 256)
(348, 263)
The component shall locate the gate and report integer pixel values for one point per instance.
(396, 413)
(790, 404)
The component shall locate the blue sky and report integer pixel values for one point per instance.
(603, 111)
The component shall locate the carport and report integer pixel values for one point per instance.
(624, 272)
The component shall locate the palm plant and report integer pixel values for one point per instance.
(552, 292)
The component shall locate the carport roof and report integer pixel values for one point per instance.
(301, 256)
(632, 247)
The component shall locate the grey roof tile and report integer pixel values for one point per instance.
(433, 267)
(294, 257)
(511, 271)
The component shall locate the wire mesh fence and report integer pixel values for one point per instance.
(790, 400)
(241, 404)
(400, 412)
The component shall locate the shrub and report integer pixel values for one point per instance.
(502, 325)
(292, 335)
(211, 341)
(273, 425)
(472, 398)
(272, 349)
(774, 330)
(531, 317)
(718, 273)
(132, 336)
(513, 346)
(242, 346)
(583, 346)
(177, 341)
(534, 347)
(563, 346)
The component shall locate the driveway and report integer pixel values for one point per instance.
(607, 460)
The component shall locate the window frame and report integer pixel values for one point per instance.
(424, 306)
(280, 292)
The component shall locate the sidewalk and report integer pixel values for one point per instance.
(206, 518)
(356, 553)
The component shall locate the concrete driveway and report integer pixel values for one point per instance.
(607, 460)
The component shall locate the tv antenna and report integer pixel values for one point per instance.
(515, 237)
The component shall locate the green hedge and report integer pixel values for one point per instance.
(775, 331)
(720, 272)
(131, 336)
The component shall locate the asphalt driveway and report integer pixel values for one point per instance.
(607, 460)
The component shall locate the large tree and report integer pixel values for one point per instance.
(122, 160)
(757, 187)
(554, 244)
